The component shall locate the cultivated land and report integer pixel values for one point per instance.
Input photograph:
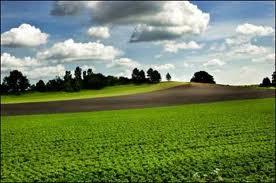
(182, 94)
(231, 141)
(83, 94)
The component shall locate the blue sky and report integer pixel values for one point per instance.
(235, 45)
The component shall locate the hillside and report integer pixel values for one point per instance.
(105, 92)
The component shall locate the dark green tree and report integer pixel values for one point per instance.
(40, 86)
(135, 75)
(77, 83)
(153, 76)
(56, 84)
(156, 77)
(203, 77)
(168, 77)
(142, 76)
(68, 82)
(274, 79)
(3, 88)
(266, 82)
(89, 72)
(149, 74)
(16, 82)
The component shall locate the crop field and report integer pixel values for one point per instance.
(105, 92)
(223, 141)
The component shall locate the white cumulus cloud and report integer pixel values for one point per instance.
(70, 50)
(10, 62)
(214, 62)
(44, 72)
(25, 35)
(250, 49)
(172, 46)
(163, 67)
(30, 67)
(124, 63)
(255, 30)
(99, 32)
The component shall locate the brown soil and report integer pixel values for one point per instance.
(185, 94)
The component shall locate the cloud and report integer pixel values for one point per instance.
(45, 72)
(23, 36)
(30, 67)
(270, 58)
(158, 56)
(69, 50)
(217, 47)
(62, 8)
(187, 65)
(163, 67)
(86, 67)
(173, 47)
(254, 30)
(214, 62)
(125, 73)
(160, 20)
(250, 49)
(237, 40)
(9, 62)
(99, 32)
(124, 63)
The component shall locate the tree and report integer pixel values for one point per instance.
(203, 77)
(3, 88)
(274, 79)
(89, 72)
(68, 82)
(266, 82)
(142, 76)
(124, 80)
(153, 76)
(56, 84)
(77, 83)
(156, 77)
(40, 86)
(149, 74)
(168, 77)
(96, 81)
(16, 82)
(135, 75)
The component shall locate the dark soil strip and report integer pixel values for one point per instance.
(185, 94)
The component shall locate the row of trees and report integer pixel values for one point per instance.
(17, 83)
(267, 83)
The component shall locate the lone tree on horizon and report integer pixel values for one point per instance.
(168, 77)
(203, 77)
(266, 82)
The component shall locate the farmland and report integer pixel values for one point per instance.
(105, 92)
(229, 141)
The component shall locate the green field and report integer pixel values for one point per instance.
(229, 141)
(105, 92)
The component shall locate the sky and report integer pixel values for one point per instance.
(233, 41)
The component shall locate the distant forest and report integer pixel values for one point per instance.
(16, 82)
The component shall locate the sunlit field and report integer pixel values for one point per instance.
(105, 92)
(224, 141)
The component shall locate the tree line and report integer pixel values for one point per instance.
(267, 83)
(17, 83)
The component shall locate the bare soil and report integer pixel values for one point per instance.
(185, 94)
